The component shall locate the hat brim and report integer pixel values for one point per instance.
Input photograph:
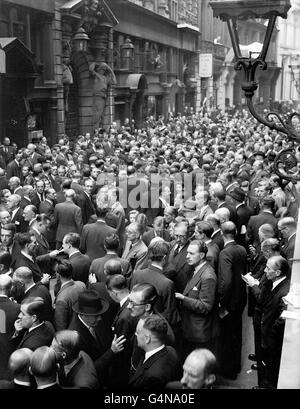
(105, 305)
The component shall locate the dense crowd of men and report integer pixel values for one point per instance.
(127, 257)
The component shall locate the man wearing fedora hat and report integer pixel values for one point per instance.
(237, 198)
(95, 334)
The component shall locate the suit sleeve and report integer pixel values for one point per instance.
(83, 240)
(78, 220)
(61, 315)
(249, 234)
(204, 301)
(225, 278)
(170, 311)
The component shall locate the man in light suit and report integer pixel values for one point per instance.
(94, 234)
(197, 301)
(135, 249)
(67, 217)
(160, 364)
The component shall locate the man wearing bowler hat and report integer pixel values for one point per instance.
(94, 332)
(237, 198)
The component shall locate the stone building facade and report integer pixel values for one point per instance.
(50, 46)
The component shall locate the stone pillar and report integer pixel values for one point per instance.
(210, 92)
(59, 111)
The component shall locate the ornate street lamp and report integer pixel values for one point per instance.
(81, 40)
(127, 50)
(231, 11)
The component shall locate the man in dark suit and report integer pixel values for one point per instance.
(9, 312)
(93, 236)
(13, 206)
(47, 207)
(287, 227)
(197, 301)
(15, 186)
(8, 244)
(7, 151)
(26, 256)
(3, 179)
(32, 290)
(66, 296)
(39, 229)
(80, 262)
(243, 214)
(272, 325)
(157, 231)
(82, 374)
(67, 218)
(219, 194)
(95, 334)
(38, 195)
(30, 329)
(160, 365)
(14, 167)
(216, 236)
(123, 324)
(111, 246)
(85, 199)
(265, 216)
(154, 275)
(18, 366)
(177, 268)
(203, 232)
(232, 300)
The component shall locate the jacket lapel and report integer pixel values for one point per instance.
(195, 279)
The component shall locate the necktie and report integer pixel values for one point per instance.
(176, 251)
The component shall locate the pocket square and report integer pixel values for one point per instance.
(195, 288)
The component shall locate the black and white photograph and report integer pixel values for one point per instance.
(149, 198)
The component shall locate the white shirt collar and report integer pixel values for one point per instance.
(154, 351)
(47, 386)
(122, 302)
(14, 212)
(198, 267)
(27, 256)
(83, 322)
(32, 285)
(74, 252)
(292, 235)
(17, 382)
(208, 241)
(215, 232)
(32, 328)
(275, 284)
(239, 205)
(157, 266)
(228, 242)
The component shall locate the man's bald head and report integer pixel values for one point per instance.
(223, 214)
(5, 284)
(19, 361)
(199, 369)
(112, 267)
(23, 274)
